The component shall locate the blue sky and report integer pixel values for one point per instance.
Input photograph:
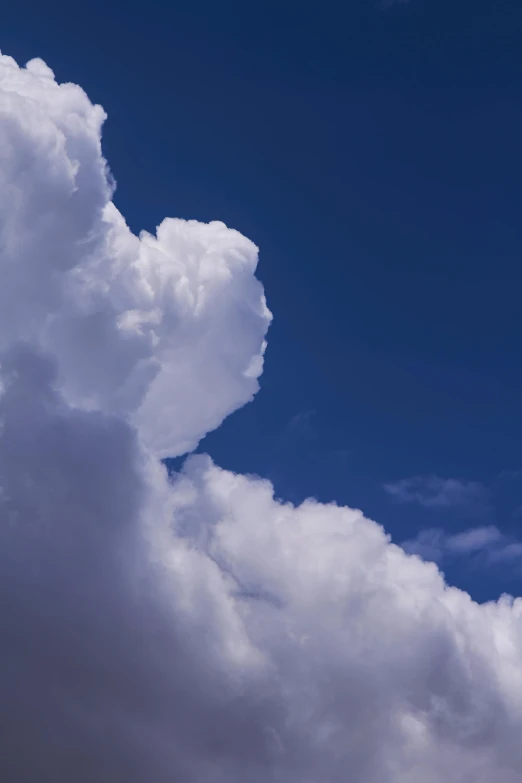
(373, 154)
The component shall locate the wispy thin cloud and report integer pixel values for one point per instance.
(507, 553)
(435, 492)
(474, 539)
(437, 544)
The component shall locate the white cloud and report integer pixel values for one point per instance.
(436, 492)
(194, 629)
(387, 674)
(173, 325)
(435, 543)
(474, 539)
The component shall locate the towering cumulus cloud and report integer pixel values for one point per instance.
(192, 628)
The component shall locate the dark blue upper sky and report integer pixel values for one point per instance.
(373, 153)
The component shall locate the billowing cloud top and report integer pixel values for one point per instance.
(193, 628)
(167, 329)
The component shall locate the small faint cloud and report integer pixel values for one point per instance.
(437, 545)
(510, 475)
(302, 422)
(428, 544)
(438, 493)
(474, 539)
(434, 543)
(508, 553)
(299, 432)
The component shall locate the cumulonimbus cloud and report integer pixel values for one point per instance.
(193, 628)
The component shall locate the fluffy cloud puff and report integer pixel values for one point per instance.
(168, 329)
(193, 628)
